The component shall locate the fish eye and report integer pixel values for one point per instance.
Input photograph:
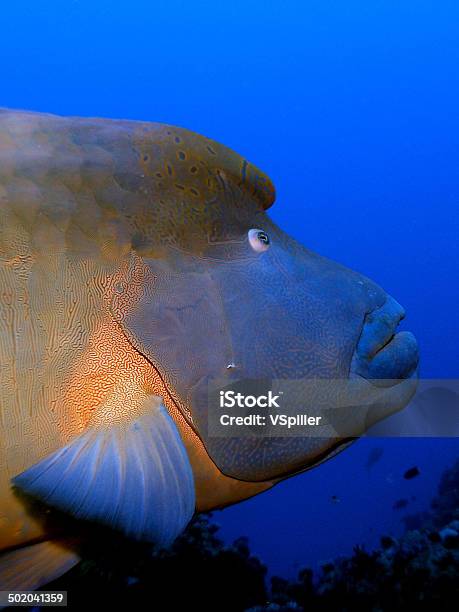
(259, 240)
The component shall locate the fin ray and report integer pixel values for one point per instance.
(134, 477)
(30, 567)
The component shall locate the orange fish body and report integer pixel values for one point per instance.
(64, 248)
(137, 262)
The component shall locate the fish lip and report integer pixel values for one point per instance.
(385, 321)
(382, 350)
(409, 367)
(387, 339)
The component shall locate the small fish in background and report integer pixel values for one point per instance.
(373, 457)
(411, 473)
(400, 504)
(335, 499)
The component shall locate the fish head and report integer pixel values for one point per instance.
(232, 297)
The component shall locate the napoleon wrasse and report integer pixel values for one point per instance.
(137, 261)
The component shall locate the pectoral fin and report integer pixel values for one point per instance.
(133, 476)
(30, 567)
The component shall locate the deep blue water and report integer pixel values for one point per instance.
(352, 107)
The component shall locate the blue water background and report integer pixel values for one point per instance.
(352, 107)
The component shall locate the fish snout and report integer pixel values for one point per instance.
(383, 355)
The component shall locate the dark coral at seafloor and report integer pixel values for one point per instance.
(419, 571)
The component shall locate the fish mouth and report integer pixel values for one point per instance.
(384, 356)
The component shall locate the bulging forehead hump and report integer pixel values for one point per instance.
(208, 192)
(168, 185)
(190, 163)
(156, 184)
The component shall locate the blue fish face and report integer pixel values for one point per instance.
(260, 306)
